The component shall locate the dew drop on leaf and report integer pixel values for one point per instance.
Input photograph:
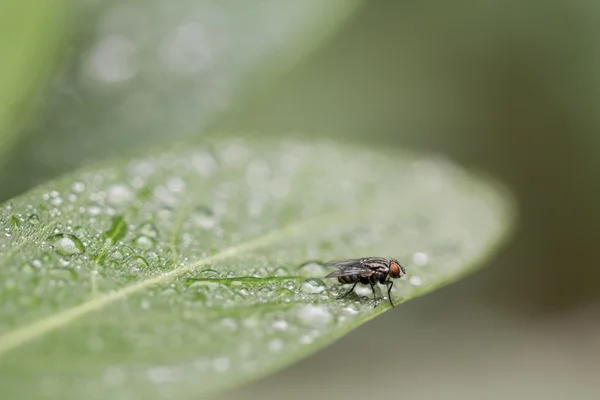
(94, 211)
(208, 273)
(276, 345)
(349, 311)
(363, 290)
(280, 271)
(118, 194)
(420, 259)
(229, 323)
(221, 364)
(148, 229)
(315, 316)
(78, 187)
(203, 217)
(205, 285)
(144, 242)
(416, 280)
(312, 269)
(284, 294)
(313, 286)
(291, 285)
(139, 262)
(66, 244)
(306, 339)
(33, 219)
(280, 325)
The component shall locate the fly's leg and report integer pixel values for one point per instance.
(348, 292)
(374, 297)
(389, 285)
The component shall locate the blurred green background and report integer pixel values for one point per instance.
(507, 87)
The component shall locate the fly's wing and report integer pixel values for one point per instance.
(343, 263)
(365, 262)
(347, 267)
(361, 271)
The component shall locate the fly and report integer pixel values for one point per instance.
(368, 270)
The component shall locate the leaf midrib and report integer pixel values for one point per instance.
(33, 330)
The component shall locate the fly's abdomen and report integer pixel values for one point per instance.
(347, 279)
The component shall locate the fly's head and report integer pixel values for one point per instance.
(396, 270)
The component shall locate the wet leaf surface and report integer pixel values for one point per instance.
(185, 272)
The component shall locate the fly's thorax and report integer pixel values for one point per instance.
(381, 274)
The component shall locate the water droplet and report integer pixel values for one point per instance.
(306, 339)
(175, 184)
(152, 257)
(33, 219)
(65, 262)
(350, 311)
(205, 284)
(165, 197)
(276, 345)
(280, 271)
(78, 187)
(415, 280)
(291, 285)
(148, 229)
(112, 59)
(267, 289)
(160, 374)
(280, 325)
(209, 273)
(315, 316)
(139, 262)
(94, 210)
(221, 364)
(312, 269)
(119, 194)
(313, 285)
(284, 294)
(204, 163)
(235, 154)
(250, 323)
(144, 242)
(117, 255)
(203, 217)
(229, 323)
(420, 259)
(363, 290)
(188, 49)
(66, 245)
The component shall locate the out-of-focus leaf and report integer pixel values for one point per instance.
(30, 34)
(151, 70)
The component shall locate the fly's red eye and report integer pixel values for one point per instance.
(395, 270)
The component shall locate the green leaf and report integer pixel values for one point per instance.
(190, 271)
(145, 73)
(30, 34)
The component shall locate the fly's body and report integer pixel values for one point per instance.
(367, 271)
